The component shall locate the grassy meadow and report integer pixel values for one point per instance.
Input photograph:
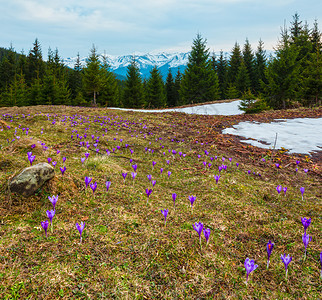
(127, 249)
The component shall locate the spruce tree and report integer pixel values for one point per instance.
(234, 63)
(92, 79)
(133, 96)
(249, 61)
(170, 90)
(222, 73)
(35, 63)
(260, 67)
(155, 96)
(199, 82)
(243, 82)
(177, 84)
(109, 95)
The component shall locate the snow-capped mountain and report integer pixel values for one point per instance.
(119, 64)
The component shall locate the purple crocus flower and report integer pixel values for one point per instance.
(250, 267)
(148, 193)
(133, 175)
(277, 166)
(153, 163)
(31, 159)
(153, 182)
(64, 159)
(306, 238)
(80, 227)
(54, 163)
(83, 159)
(107, 184)
(169, 174)
(86, 155)
(93, 186)
(165, 213)
(44, 225)
(306, 223)
(198, 227)
(87, 180)
(192, 199)
(206, 233)
(50, 215)
(279, 189)
(161, 170)
(269, 248)
(174, 197)
(49, 160)
(124, 176)
(306, 170)
(297, 162)
(53, 200)
(135, 167)
(302, 189)
(286, 260)
(321, 262)
(217, 178)
(149, 177)
(284, 190)
(237, 164)
(62, 170)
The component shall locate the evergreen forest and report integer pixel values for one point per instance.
(289, 78)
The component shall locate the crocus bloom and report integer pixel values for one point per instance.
(321, 262)
(54, 163)
(269, 248)
(133, 175)
(174, 197)
(306, 238)
(277, 166)
(31, 159)
(53, 200)
(62, 170)
(165, 213)
(169, 173)
(93, 186)
(49, 160)
(161, 170)
(206, 233)
(302, 189)
(286, 260)
(306, 223)
(83, 159)
(284, 190)
(153, 163)
(279, 189)
(135, 167)
(148, 193)
(87, 180)
(124, 175)
(217, 178)
(149, 177)
(297, 162)
(50, 215)
(198, 227)
(192, 199)
(44, 225)
(237, 164)
(64, 159)
(250, 267)
(153, 182)
(80, 227)
(107, 184)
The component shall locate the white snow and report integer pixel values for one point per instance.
(301, 135)
(225, 109)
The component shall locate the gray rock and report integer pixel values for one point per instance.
(31, 179)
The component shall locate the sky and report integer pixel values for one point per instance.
(127, 27)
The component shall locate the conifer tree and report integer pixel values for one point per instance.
(75, 78)
(199, 82)
(133, 96)
(260, 67)
(249, 62)
(177, 84)
(170, 90)
(92, 79)
(234, 63)
(242, 80)
(155, 96)
(35, 63)
(109, 95)
(222, 73)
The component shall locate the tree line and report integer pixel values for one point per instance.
(290, 77)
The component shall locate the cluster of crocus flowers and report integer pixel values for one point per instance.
(31, 157)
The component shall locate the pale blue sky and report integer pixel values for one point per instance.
(140, 26)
